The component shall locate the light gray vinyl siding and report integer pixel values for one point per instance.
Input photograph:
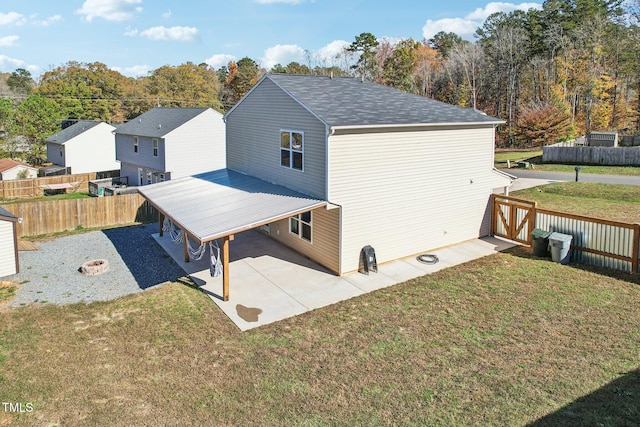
(197, 146)
(406, 192)
(324, 246)
(7, 249)
(253, 140)
(53, 153)
(144, 157)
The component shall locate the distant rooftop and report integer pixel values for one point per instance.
(72, 131)
(159, 121)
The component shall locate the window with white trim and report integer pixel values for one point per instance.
(292, 149)
(135, 144)
(155, 147)
(300, 225)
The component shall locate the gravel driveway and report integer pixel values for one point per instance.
(136, 262)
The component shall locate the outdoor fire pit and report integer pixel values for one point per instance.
(94, 267)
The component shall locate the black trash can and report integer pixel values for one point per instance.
(540, 242)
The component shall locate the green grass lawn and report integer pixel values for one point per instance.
(505, 340)
(67, 196)
(535, 157)
(606, 201)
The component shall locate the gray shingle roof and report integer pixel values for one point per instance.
(347, 101)
(5, 213)
(72, 131)
(159, 121)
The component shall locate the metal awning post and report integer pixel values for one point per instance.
(225, 266)
(160, 221)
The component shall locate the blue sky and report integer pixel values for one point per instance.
(137, 36)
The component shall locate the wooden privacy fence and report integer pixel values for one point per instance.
(612, 156)
(598, 242)
(52, 216)
(34, 187)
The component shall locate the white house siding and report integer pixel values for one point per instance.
(253, 140)
(405, 192)
(197, 146)
(7, 249)
(92, 151)
(324, 246)
(13, 173)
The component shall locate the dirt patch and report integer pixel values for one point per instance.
(248, 314)
(8, 290)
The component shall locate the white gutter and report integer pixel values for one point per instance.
(392, 126)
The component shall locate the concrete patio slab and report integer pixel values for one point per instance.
(270, 282)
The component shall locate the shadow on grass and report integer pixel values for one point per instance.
(616, 404)
(522, 252)
(144, 257)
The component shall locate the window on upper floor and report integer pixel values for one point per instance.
(155, 147)
(292, 149)
(135, 144)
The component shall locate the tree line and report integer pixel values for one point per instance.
(551, 74)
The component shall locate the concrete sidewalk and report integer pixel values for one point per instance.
(270, 282)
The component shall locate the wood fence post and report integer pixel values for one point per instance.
(493, 214)
(635, 255)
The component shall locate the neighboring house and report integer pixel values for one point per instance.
(8, 243)
(375, 166)
(169, 143)
(86, 146)
(12, 169)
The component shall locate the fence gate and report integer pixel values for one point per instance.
(512, 218)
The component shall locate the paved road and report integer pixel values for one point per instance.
(569, 176)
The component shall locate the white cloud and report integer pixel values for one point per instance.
(131, 32)
(167, 14)
(467, 26)
(9, 41)
(48, 21)
(462, 27)
(135, 71)
(12, 18)
(282, 54)
(10, 64)
(111, 10)
(329, 52)
(180, 34)
(480, 14)
(279, 1)
(219, 60)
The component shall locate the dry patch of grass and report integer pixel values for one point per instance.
(504, 340)
(606, 201)
(7, 290)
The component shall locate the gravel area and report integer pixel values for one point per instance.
(51, 274)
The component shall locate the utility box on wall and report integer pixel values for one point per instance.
(367, 260)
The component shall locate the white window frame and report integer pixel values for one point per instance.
(155, 147)
(291, 150)
(297, 219)
(135, 144)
